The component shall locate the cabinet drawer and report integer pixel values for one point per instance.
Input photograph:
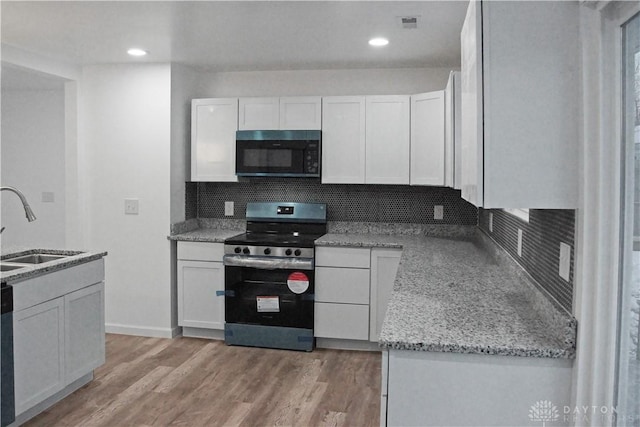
(343, 257)
(342, 285)
(201, 251)
(342, 321)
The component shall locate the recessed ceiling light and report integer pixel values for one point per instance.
(137, 52)
(378, 41)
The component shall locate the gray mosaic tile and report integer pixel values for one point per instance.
(540, 245)
(362, 203)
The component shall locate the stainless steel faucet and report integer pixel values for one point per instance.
(27, 209)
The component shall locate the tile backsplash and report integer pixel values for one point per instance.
(541, 238)
(366, 203)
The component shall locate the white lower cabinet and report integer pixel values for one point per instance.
(39, 353)
(342, 293)
(84, 331)
(201, 285)
(342, 321)
(422, 388)
(384, 266)
(199, 304)
(58, 328)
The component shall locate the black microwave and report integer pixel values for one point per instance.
(290, 153)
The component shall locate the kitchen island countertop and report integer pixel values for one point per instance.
(70, 259)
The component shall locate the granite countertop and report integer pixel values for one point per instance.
(32, 270)
(454, 295)
(206, 230)
(213, 235)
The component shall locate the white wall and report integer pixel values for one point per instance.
(33, 160)
(124, 133)
(386, 81)
(184, 87)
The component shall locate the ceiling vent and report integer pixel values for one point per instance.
(408, 22)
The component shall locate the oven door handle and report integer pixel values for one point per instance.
(268, 263)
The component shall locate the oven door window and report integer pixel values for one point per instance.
(264, 297)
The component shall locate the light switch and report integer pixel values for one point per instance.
(565, 261)
(519, 242)
(438, 212)
(228, 208)
(131, 206)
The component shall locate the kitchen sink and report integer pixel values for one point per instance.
(7, 267)
(35, 258)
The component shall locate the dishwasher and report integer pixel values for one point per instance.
(8, 406)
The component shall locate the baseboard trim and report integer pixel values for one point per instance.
(340, 344)
(112, 328)
(213, 334)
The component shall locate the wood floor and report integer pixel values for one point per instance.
(197, 382)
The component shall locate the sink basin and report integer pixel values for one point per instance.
(6, 267)
(35, 258)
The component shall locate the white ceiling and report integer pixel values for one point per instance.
(238, 35)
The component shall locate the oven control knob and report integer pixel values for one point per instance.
(297, 252)
(287, 252)
(267, 251)
(237, 250)
(245, 251)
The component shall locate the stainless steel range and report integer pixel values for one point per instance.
(270, 278)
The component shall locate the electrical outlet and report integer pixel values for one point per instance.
(565, 261)
(438, 212)
(131, 206)
(519, 242)
(228, 208)
(490, 222)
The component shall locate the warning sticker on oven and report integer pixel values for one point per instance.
(268, 304)
(298, 282)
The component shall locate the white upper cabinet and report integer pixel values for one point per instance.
(428, 139)
(259, 114)
(452, 117)
(343, 140)
(213, 139)
(520, 104)
(290, 113)
(387, 139)
(301, 113)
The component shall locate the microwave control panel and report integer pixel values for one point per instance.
(311, 159)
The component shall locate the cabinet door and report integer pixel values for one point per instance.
(387, 136)
(213, 139)
(453, 157)
(342, 285)
(259, 114)
(200, 294)
(531, 122)
(427, 139)
(301, 112)
(84, 331)
(38, 353)
(471, 97)
(341, 321)
(343, 140)
(384, 266)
